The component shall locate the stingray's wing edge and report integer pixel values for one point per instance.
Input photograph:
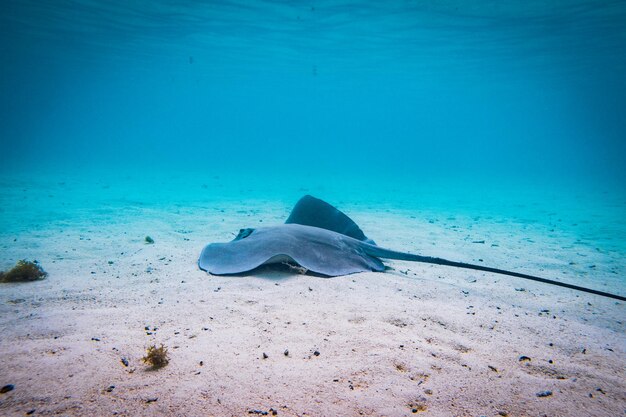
(311, 211)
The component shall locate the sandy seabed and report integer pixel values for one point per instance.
(416, 340)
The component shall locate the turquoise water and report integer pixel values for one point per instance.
(500, 111)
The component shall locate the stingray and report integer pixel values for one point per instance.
(318, 238)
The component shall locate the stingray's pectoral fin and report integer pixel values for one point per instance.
(311, 211)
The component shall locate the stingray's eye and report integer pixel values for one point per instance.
(244, 233)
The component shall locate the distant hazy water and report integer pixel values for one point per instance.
(529, 89)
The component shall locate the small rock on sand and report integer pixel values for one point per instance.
(7, 388)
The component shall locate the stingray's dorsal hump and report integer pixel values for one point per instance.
(311, 211)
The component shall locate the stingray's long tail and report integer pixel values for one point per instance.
(390, 254)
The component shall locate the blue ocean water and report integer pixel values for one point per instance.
(503, 109)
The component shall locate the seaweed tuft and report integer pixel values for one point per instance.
(23, 271)
(156, 356)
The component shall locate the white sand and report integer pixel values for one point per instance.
(421, 339)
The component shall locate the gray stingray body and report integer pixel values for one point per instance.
(325, 241)
(316, 236)
(318, 250)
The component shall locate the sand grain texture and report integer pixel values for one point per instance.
(420, 339)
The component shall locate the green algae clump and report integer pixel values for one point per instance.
(23, 271)
(156, 356)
